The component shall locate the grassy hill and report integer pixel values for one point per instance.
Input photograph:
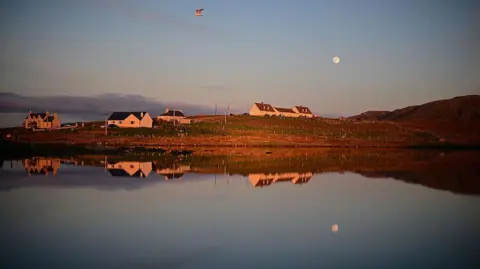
(462, 108)
(455, 119)
(244, 131)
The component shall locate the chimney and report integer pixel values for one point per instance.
(47, 113)
(141, 114)
(166, 110)
(55, 115)
(29, 112)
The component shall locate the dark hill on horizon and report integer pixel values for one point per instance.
(461, 108)
(455, 118)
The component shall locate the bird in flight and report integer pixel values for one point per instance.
(198, 12)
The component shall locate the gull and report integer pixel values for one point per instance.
(198, 12)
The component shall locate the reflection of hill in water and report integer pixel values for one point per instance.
(457, 172)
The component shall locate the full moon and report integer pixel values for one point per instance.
(336, 59)
(334, 228)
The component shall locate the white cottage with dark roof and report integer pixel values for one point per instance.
(131, 120)
(303, 111)
(262, 109)
(172, 115)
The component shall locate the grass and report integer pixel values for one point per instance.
(247, 130)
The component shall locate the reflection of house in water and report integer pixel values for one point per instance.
(41, 166)
(130, 169)
(175, 172)
(260, 180)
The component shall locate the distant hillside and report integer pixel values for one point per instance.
(371, 115)
(465, 109)
(456, 119)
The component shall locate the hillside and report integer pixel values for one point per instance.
(457, 109)
(371, 115)
(457, 118)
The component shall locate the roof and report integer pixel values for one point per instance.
(122, 173)
(35, 115)
(171, 113)
(265, 107)
(263, 182)
(303, 179)
(124, 115)
(303, 109)
(284, 110)
(172, 175)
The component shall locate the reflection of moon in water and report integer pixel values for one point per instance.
(334, 228)
(336, 59)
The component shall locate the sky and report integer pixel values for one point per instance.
(393, 53)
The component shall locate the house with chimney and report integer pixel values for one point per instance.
(172, 115)
(262, 109)
(42, 121)
(130, 120)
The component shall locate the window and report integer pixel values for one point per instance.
(132, 122)
(120, 121)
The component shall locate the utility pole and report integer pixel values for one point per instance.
(226, 112)
(105, 125)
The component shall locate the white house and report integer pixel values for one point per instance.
(131, 120)
(174, 115)
(303, 111)
(261, 109)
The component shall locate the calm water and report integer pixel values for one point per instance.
(135, 214)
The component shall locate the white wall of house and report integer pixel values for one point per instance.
(170, 118)
(147, 121)
(286, 114)
(180, 119)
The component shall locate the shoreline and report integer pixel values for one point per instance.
(23, 148)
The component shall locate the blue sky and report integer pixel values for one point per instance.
(394, 53)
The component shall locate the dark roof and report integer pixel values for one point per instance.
(171, 113)
(51, 118)
(263, 182)
(124, 115)
(42, 115)
(265, 107)
(172, 175)
(285, 110)
(122, 173)
(301, 180)
(303, 109)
